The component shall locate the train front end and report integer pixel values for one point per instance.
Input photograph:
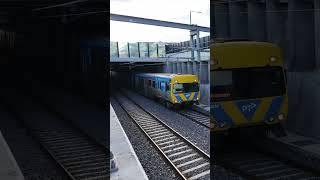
(185, 89)
(248, 86)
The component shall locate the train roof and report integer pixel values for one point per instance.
(243, 43)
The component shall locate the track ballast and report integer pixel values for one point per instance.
(186, 159)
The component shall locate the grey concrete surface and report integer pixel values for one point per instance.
(304, 103)
(9, 169)
(129, 166)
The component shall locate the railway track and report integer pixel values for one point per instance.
(186, 159)
(195, 116)
(252, 164)
(80, 156)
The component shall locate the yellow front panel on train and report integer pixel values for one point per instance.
(244, 54)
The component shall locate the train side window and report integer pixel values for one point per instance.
(149, 83)
(153, 84)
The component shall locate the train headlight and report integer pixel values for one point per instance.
(213, 123)
(281, 116)
(271, 119)
(214, 62)
(175, 101)
(273, 59)
(222, 125)
(197, 98)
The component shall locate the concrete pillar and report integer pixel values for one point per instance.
(195, 68)
(184, 67)
(301, 36)
(170, 67)
(221, 20)
(204, 72)
(317, 33)
(191, 46)
(164, 68)
(167, 67)
(198, 46)
(190, 67)
(238, 20)
(174, 65)
(179, 68)
(256, 21)
(276, 25)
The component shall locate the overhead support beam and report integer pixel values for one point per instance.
(60, 5)
(138, 20)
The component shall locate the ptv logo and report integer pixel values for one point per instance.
(248, 107)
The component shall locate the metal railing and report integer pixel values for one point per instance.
(137, 50)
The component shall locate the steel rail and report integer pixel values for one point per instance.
(254, 164)
(63, 148)
(195, 116)
(143, 126)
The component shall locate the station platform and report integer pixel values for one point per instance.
(307, 144)
(297, 148)
(9, 169)
(127, 162)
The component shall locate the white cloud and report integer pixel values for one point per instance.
(167, 10)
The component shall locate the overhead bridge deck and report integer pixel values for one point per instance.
(153, 60)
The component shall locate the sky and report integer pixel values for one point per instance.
(166, 10)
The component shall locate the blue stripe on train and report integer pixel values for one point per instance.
(178, 98)
(187, 95)
(274, 107)
(220, 115)
(195, 96)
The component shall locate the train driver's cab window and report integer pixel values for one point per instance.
(177, 88)
(154, 84)
(185, 87)
(221, 86)
(247, 83)
(149, 83)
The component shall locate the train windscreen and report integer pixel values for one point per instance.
(185, 87)
(246, 83)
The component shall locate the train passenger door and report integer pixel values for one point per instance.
(163, 87)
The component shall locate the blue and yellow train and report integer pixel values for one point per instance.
(172, 89)
(248, 85)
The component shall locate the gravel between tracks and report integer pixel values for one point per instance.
(34, 162)
(197, 134)
(153, 163)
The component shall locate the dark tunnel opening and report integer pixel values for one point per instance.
(68, 52)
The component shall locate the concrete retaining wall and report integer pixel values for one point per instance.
(304, 103)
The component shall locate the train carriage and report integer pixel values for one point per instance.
(172, 89)
(248, 85)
